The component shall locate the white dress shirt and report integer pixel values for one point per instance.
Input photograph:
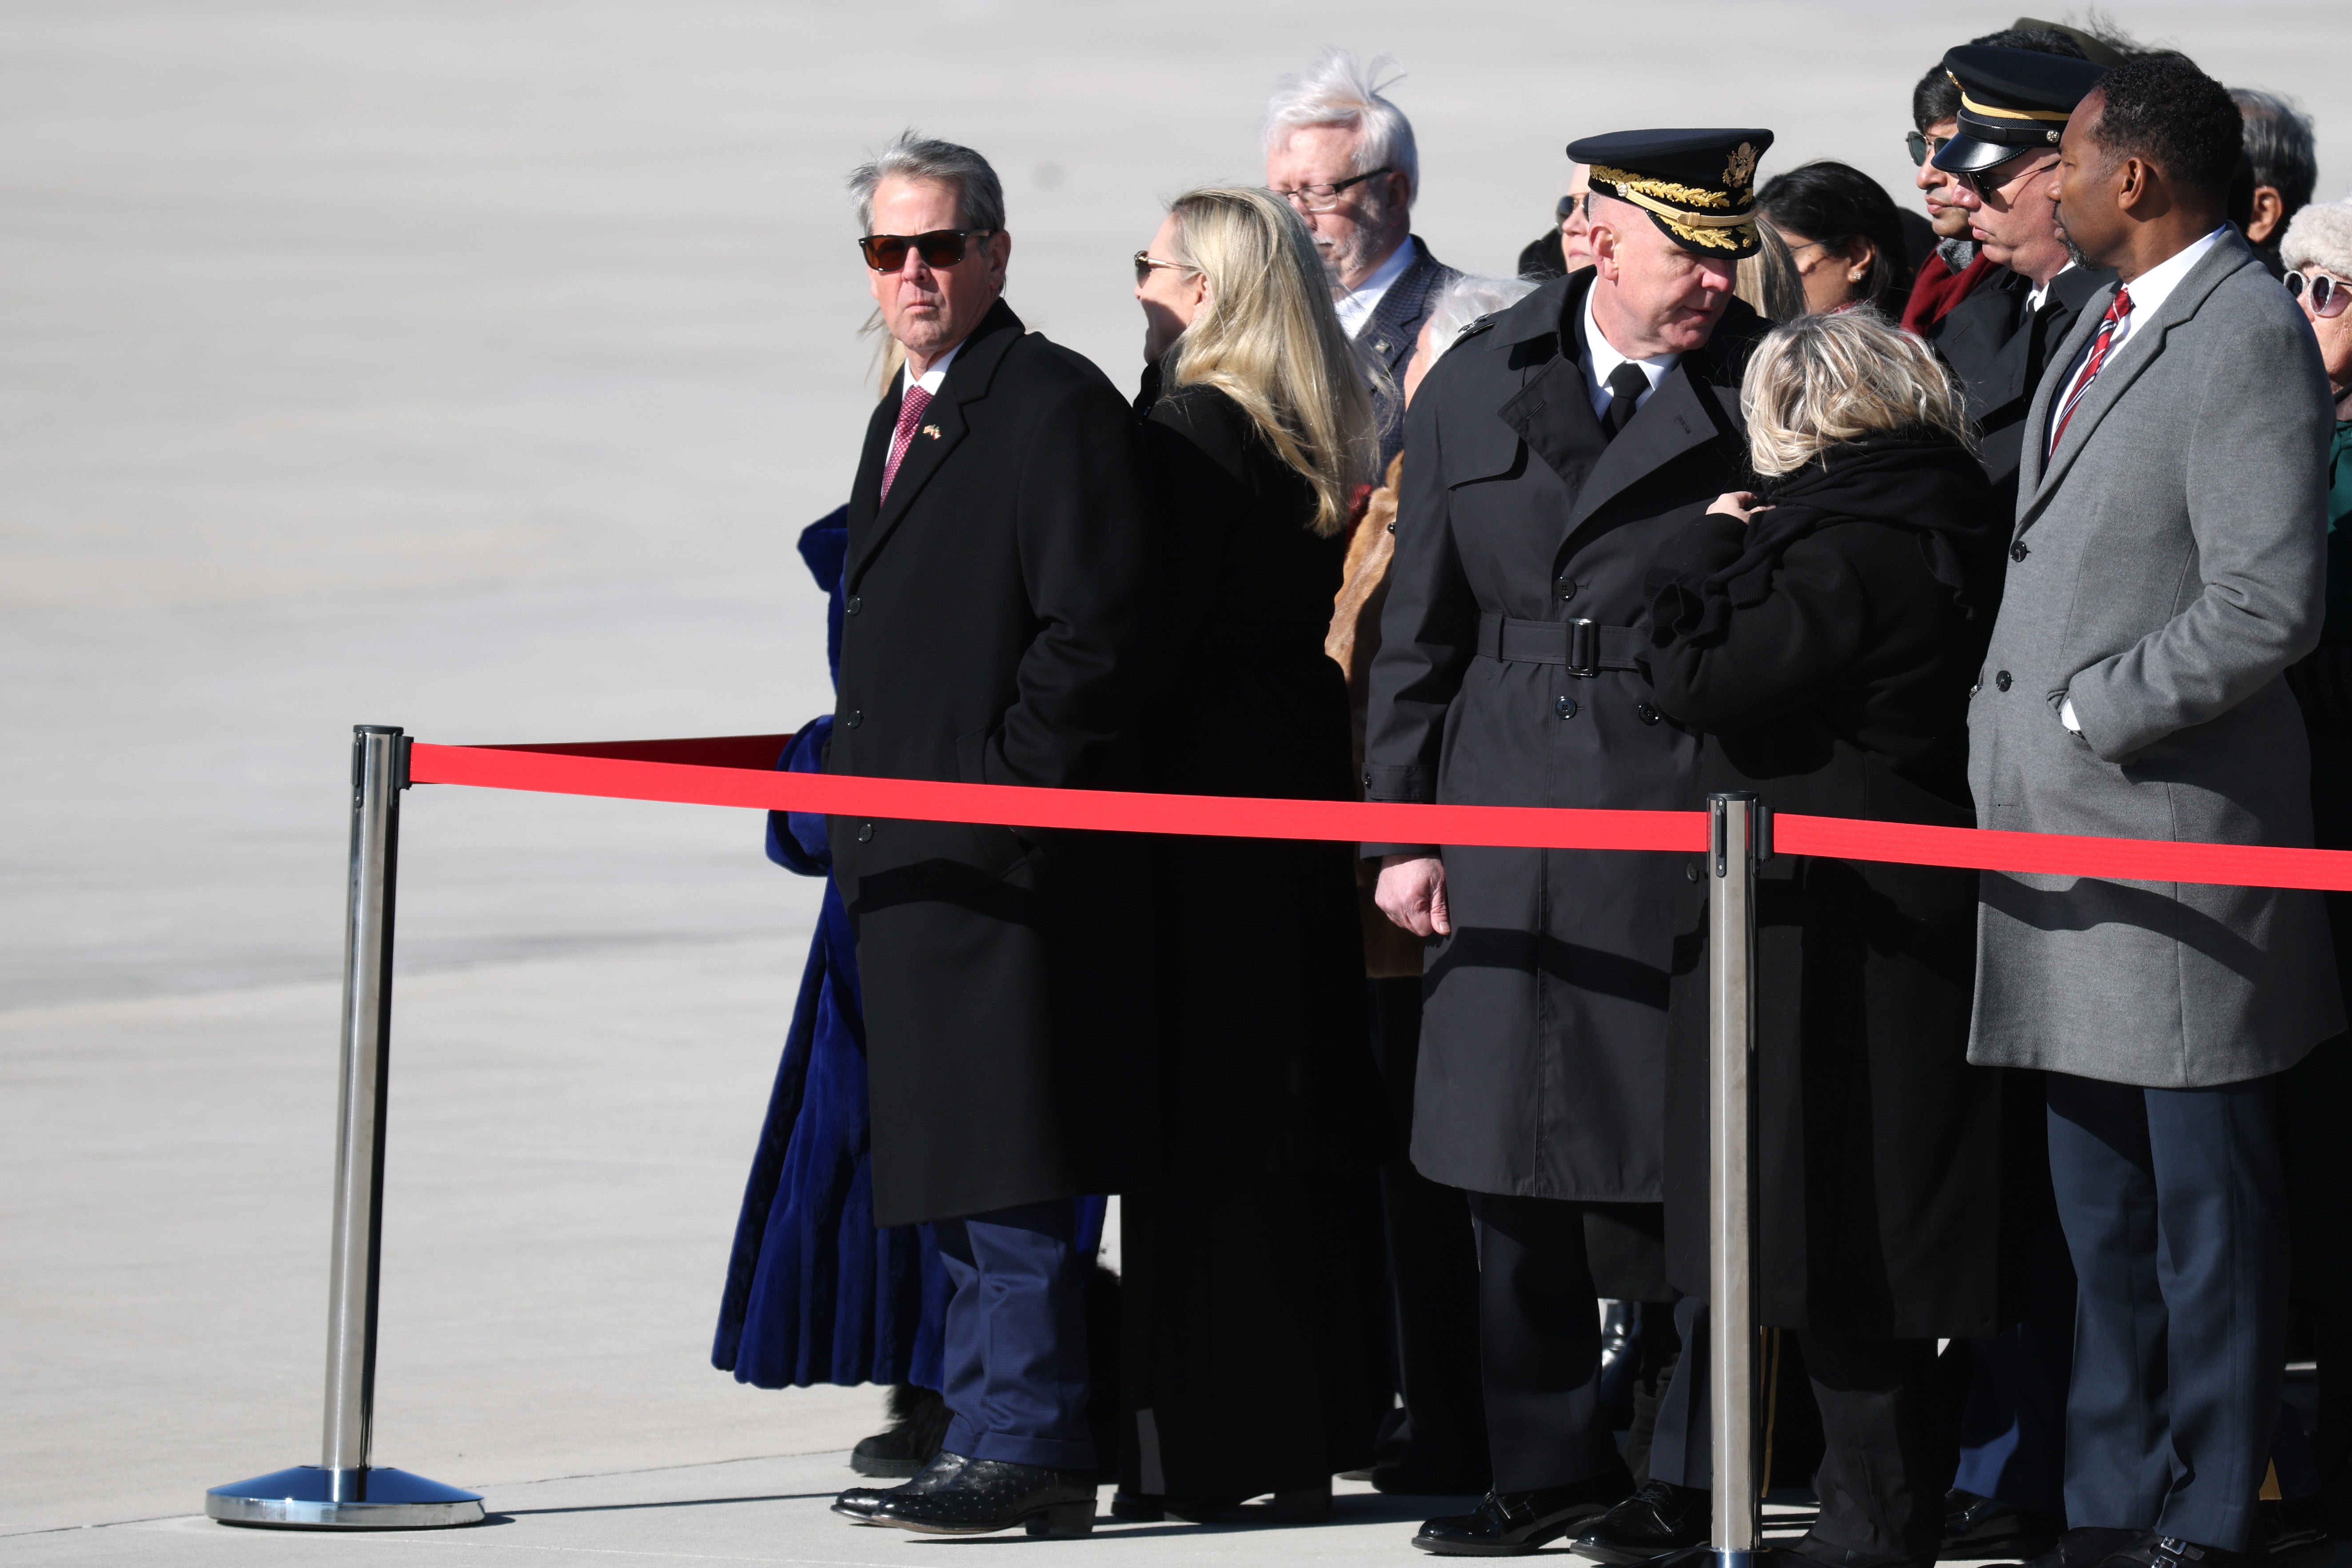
(930, 380)
(1602, 358)
(2037, 296)
(1356, 305)
(2149, 290)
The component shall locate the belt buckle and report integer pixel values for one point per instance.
(1584, 648)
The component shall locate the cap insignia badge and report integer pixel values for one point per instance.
(1742, 167)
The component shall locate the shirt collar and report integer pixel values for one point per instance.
(1602, 359)
(2038, 295)
(1366, 294)
(2152, 288)
(932, 378)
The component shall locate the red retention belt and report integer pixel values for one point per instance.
(740, 770)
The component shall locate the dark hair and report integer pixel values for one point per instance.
(1938, 97)
(2279, 145)
(1837, 204)
(2160, 106)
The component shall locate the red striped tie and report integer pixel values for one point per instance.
(910, 409)
(2117, 309)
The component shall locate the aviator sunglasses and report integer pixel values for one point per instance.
(939, 247)
(2328, 296)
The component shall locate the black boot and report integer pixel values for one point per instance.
(1661, 1517)
(918, 1426)
(1971, 1522)
(859, 1502)
(1512, 1524)
(989, 1495)
(2149, 1550)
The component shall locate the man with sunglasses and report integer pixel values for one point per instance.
(2013, 105)
(1344, 157)
(999, 619)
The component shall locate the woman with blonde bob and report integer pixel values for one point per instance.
(1823, 634)
(1251, 1361)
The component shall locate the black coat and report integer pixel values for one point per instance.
(1265, 1060)
(1827, 651)
(1544, 1032)
(1999, 352)
(999, 628)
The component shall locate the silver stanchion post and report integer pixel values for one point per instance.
(1733, 841)
(342, 1491)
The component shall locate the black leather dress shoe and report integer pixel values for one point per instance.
(1815, 1553)
(1512, 1524)
(989, 1495)
(1661, 1517)
(2086, 1548)
(2149, 1550)
(1982, 1526)
(859, 1502)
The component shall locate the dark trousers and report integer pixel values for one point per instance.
(1013, 1355)
(1433, 1262)
(2173, 1204)
(1540, 1343)
(1880, 1486)
(2013, 1428)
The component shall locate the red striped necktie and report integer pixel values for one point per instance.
(2109, 324)
(911, 411)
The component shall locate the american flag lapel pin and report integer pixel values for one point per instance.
(933, 431)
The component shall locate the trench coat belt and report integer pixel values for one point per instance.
(1586, 647)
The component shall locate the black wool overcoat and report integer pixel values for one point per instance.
(1267, 1068)
(1827, 651)
(1999, 349)
(1543, 1035)
(999, 627)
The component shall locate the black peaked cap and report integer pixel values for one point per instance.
(2012, 101)
(1699, 186)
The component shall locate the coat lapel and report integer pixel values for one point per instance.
(943, 430)
(2139, 351)
(1671, 423)
(1389, 333)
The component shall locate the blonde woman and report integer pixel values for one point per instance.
(1251, 1358)
(1823, 636)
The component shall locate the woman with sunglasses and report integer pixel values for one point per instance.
(1252, 1362)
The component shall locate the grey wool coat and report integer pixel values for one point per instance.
(2166, 567)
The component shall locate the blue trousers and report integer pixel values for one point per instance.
(2174, 1210)
(1015, 1349)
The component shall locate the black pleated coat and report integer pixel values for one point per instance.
(1826, 651)
(999, 627)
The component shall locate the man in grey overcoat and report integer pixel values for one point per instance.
(2166, 567)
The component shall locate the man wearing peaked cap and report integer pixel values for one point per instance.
(1554, 456)
(2014, 105)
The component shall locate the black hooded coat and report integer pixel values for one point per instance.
(1826, 652)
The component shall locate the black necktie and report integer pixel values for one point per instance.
(1626, 386)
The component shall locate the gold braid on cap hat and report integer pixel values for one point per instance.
(1717, 231)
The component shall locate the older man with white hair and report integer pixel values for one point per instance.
(1344, 157)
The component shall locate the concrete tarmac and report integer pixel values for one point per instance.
(473, 367)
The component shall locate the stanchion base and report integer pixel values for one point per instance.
(309, 1497)
(1712, 1557)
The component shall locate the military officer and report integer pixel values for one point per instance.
(2014, 104)
(1555, 448)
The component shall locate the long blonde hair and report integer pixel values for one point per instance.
(1267, 337)
(1840, 377)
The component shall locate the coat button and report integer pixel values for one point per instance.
(866, 833)
(854, 604)
(2018, 552)
(1647, 712)
(1567, 587)
(2000, 679)
(1565, 707)
(857, 716)
(1690, 872)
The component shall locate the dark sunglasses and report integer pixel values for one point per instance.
(2328, 296)
(1571, 206)
(941, 248)
(1923, 146)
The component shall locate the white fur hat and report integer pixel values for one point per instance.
(2321, 236)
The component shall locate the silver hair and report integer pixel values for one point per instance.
(2280, 143)
(1341, 90)
(980, 196)
(1467, 300)
(2321, 236)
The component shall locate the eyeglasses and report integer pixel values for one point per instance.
(1145, 261)
(939, 247)
(1984, 181)
(1571, 206)
(1923, 146)
(1323, 198)
(2322, 295)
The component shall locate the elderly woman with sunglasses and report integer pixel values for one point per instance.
(1251, 1360)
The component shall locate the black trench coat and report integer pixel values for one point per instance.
(1543, 1037)
(1999, 352)
(1827, 651)
(999, 627)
